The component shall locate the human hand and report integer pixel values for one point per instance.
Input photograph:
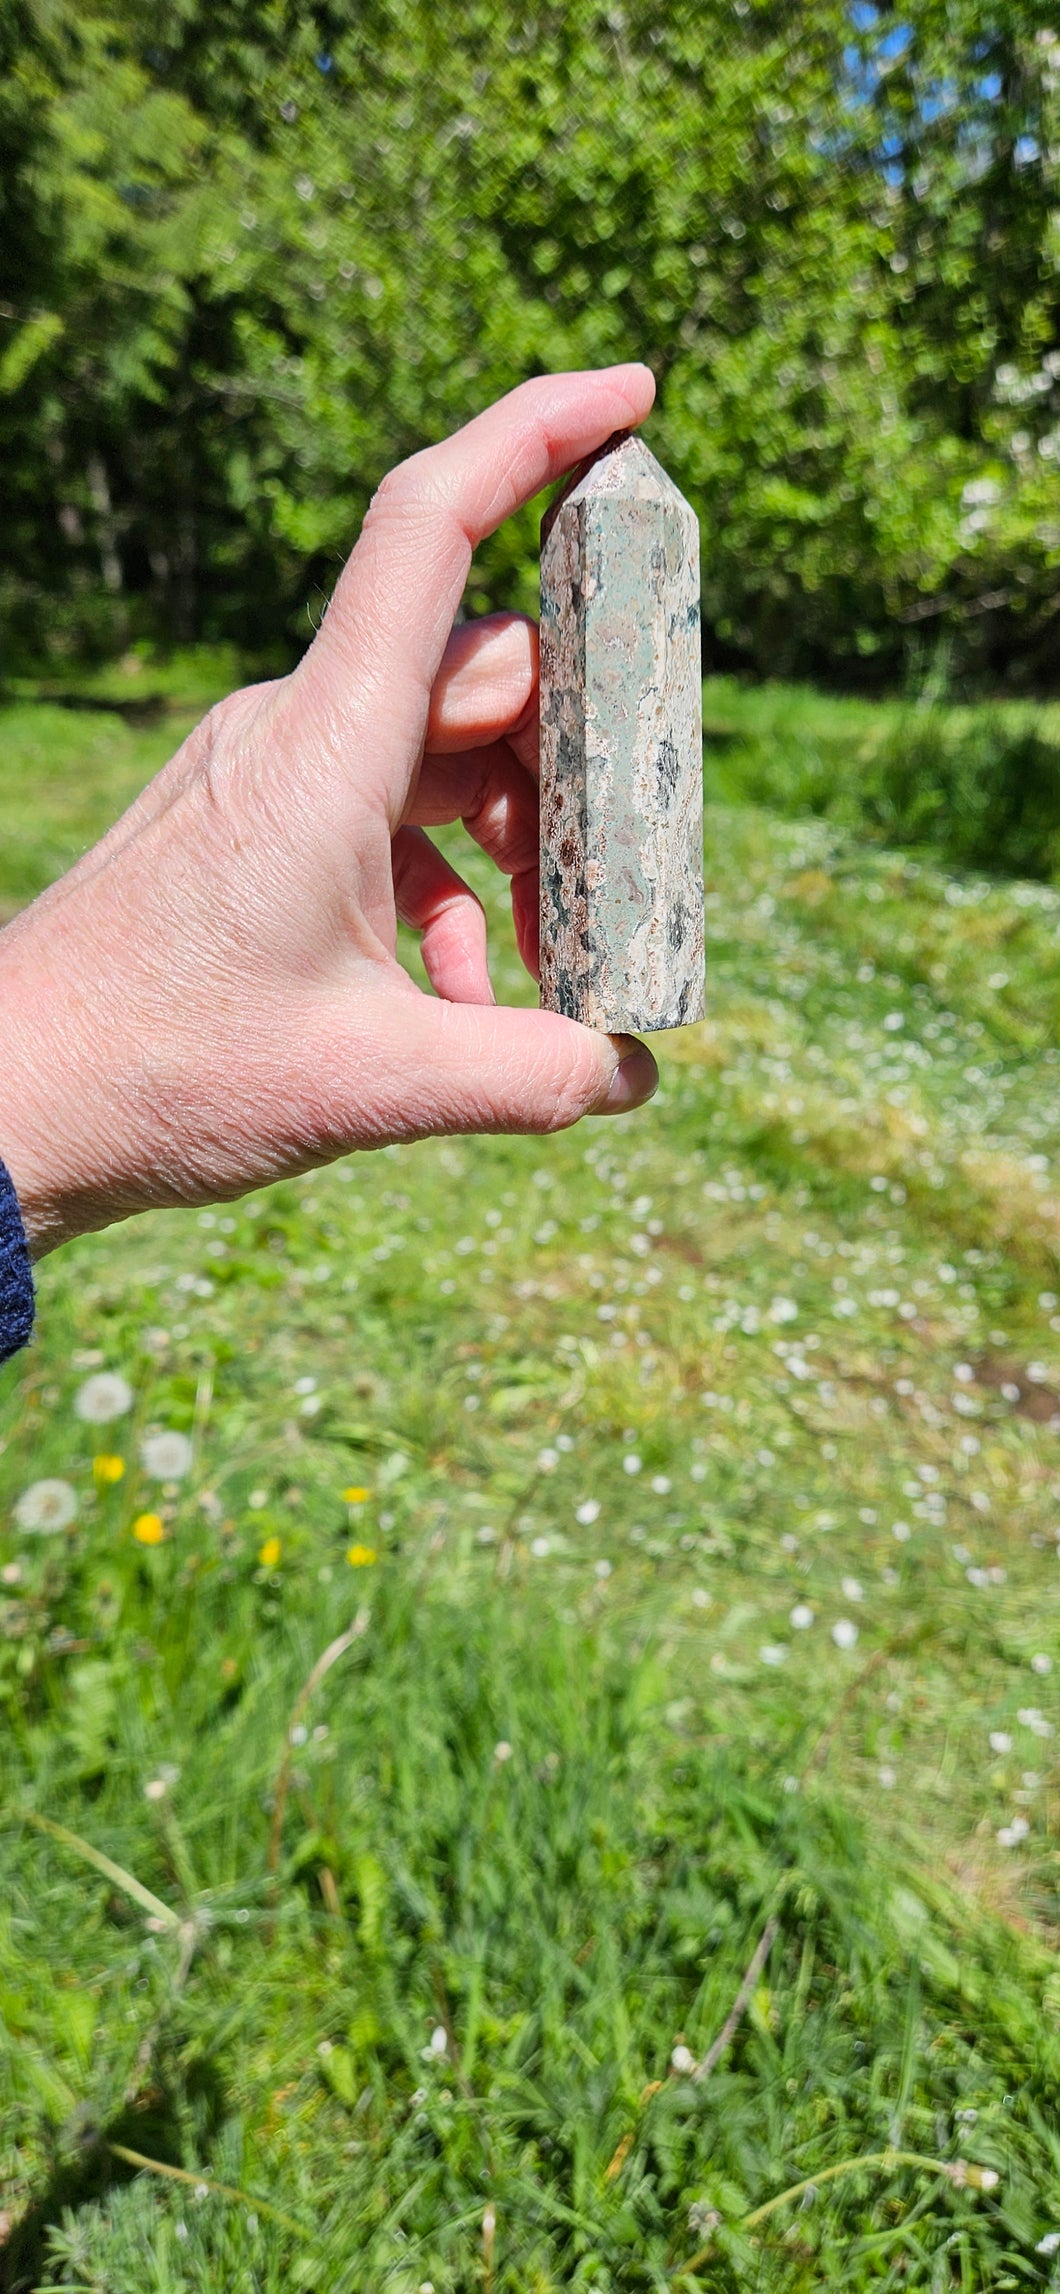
(211, 998)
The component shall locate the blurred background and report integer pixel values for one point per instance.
(252, 255)
(528, 1669)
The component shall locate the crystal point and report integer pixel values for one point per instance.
(621, 748)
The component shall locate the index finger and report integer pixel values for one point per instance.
(397, 597)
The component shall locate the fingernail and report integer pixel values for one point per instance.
(635, 1078)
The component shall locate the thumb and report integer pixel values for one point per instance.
(473, 1067)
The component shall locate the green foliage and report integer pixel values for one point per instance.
(787, 1349)
(264, 253)
(979, 787)
(987, 793)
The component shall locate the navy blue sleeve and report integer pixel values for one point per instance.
(16, 1274)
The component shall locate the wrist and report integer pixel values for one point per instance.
(53, 1114)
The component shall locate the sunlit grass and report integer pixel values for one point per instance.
(683, 1498)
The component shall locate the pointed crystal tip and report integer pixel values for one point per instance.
(625, 467)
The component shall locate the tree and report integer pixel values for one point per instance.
(280, 249)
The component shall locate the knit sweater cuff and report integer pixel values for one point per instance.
(16, 1274)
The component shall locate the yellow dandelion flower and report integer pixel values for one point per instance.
(270, 1552)
(361, 1556)
(149, 1529)
(106, 1468)
(356, 1496)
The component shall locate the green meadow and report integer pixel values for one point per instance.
(529, 1667)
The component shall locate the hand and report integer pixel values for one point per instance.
(211, 997)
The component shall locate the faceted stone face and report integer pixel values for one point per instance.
(621, 748)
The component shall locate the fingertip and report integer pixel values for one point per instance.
(637, 379)
(635, 1079)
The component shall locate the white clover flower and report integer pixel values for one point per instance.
(602, 1569)
(631, 1464)
(1049, 2244)
(887, 1777)
(108, 1395)
(587, 1512)
(853, 1589)
(774, 1653)
(166, 1457)
(783, 1310)
(46, 1507)
(502, 1752)
(439, 2040)
(1041, 1663)
(682, 2060)
(1000, 1740)
(547, 1461)
(1010, 1835)
(801, 1616)
(661, 1484)
(845, 1633)
(539, 1546)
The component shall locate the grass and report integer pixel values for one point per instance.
(975, 786)
(596, 1568)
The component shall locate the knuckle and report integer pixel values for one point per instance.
(574, 1089)
(413, 488)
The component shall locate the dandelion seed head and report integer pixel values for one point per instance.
(108, 1395)
(46, 1508)
(166, 1457)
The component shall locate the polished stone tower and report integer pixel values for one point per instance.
(621, 748)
